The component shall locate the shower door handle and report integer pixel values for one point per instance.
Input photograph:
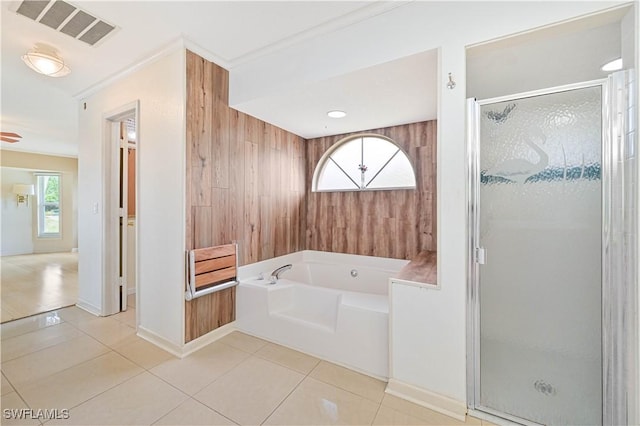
(480, 255)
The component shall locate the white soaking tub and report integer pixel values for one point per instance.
(334, 306)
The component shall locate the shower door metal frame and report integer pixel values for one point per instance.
(613, 308)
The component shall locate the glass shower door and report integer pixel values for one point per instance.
(539, 226)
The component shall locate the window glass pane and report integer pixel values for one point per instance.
(387, 166)
(349, 157)
(332, 178)
(51, 219)
(48, 205)
(376, 153)
(51, 189)
(397, 174)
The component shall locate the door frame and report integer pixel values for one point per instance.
(111, 171)
(614, 309)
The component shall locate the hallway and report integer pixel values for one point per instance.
(37, 283)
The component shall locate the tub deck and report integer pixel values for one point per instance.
(421, 269)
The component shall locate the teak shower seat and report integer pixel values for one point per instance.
(211, 269)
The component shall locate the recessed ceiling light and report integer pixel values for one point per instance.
(614, 65)
(336, 113)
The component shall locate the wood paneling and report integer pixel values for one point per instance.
(396, 223)
(131, 183)
(245, 183)
(422, 268)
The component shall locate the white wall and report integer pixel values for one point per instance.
(30, 163)
(407, 30)
(17, 220)
(160, 89)
(541, 59)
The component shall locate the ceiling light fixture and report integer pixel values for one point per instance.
(614, 65)
(45, 60)
(336, 114)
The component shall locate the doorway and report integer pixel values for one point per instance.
(121, 201)
(127, 214)
(548, 322)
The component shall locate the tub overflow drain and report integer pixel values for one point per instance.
(354, 273)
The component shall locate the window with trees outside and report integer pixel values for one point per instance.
(364, 163)
(49, 205)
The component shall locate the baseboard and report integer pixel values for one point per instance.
(131, 290)
(188, 348)
(434, 401)
(210, 337)
(159, 341)
(74, 250)
(92, 309)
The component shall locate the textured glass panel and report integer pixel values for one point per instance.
(377, 152)
(332, 178)
(349, 156)
(397, 174)
(366, 163)
(540, 288)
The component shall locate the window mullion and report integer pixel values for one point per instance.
(346, 174)
(383, 166)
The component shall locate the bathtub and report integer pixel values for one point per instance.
(333, 306)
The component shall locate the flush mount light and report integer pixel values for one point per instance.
(336, 114)
(45, 60)
(614, 65)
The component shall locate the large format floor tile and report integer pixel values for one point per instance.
(289, 358)
(23, 344)
(16, 414)
(143, 353)
(196, 371)
(6, 386)
(317, 403)
(75, 315)
(411, 410)
(242, 341)
(29, 324)
(107, 330)
(389, 416)
(140, 400)
(77, 384)
(191, 412)
(251, 391)
(104, 374)
(38, 365)
(349, 380)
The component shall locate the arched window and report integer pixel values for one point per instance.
(364, 162)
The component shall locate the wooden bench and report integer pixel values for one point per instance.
(211, 269)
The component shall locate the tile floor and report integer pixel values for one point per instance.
(36, 283)
(100, 371)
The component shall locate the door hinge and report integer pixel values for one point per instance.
(480, 255)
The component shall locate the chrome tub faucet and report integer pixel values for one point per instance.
(275, 275)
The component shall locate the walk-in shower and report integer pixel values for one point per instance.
(546, 316)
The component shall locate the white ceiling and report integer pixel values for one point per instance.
(44, 111)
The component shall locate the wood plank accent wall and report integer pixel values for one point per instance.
(245, 183)
(395, 223)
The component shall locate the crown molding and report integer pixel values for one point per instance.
(167, 49)
(358, 15)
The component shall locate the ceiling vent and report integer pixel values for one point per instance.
(67, 19)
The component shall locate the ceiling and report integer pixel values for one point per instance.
(44, 110)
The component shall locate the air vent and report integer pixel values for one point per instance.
(67, 19)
